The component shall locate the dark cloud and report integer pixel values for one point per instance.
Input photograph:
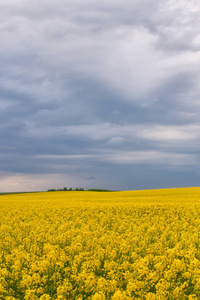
(91, 178)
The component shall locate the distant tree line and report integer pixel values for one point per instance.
(78, 189)
(66, 189)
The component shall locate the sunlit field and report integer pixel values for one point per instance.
(99, 246)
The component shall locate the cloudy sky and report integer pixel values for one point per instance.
(99, 94)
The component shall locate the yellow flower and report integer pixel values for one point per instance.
(30, 295)
(98, 296)
(45, 297)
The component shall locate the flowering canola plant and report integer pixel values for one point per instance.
(99, 246)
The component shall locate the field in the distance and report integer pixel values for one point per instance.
(99, 246)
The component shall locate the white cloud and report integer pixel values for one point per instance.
(116, 140)
(149, 157)
(20, 182)
(39, 182)
(171, 133)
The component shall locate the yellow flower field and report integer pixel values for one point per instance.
(99, 246)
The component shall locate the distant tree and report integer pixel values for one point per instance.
(65, 189)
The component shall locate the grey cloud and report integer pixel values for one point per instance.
(91, 178)
(111, 57)
(91, 87)
(132, 157)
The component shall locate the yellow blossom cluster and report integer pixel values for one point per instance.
(100, 246)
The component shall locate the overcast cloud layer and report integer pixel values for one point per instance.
(99, 94)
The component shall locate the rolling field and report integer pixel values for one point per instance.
(99, 246)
